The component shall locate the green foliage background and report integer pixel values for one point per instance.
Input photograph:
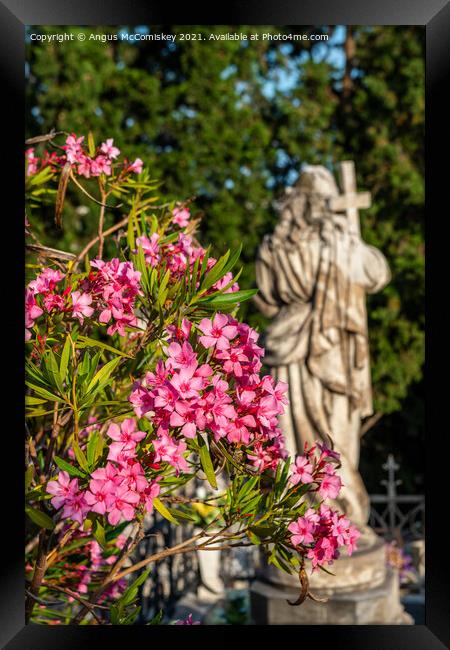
(231, 124)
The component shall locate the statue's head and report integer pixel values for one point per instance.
(317, 180)
(306, 202)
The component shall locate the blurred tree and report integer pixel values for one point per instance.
(231, 123)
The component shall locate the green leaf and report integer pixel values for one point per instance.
(65, 356)
(253, 538)
(67, 467)
(156, 620)
(161, 508)
(79, 455)
(30, 401)
(228, 298)
(162, 289)
(53, 370)
(235, 255)
(39, 518)
(131, 592)
(206, 462)
(103, 374)
(99, 533)
(215, 273)
(45, 393)
(94, 448)
(90, 449)
(130, 235)
(85, 341)
(29, 473)
(91, 144)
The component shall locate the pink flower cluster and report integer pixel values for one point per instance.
(326, 530)
(181, 255)
(108, 294)
(35, 164)
(115, 490)
(112, 290)
(309, 469)
(86, 166)
(181, 217)
(83, 164)
(224, 396)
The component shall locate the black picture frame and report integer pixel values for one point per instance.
(435, 16)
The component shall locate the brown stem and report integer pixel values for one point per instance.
(51, 557)
(175, 550)
(40, 568)
(92, 243)
(53, 253)
(73, 594)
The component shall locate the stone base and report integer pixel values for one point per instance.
(378, 605)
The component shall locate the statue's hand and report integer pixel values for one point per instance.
(327, 231)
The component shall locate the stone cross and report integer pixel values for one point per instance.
(349, 202)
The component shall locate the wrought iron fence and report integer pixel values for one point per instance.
(171, 578)
(397, 516)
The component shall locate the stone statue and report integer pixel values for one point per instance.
(313, 274)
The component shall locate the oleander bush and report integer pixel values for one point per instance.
(140, 378)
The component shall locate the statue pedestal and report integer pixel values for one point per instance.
(362, 592)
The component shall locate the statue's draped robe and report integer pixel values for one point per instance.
(318, 343)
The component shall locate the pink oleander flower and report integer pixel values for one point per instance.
(167, 449)
(81, 305)
(109, 149)
(63, 488)
(150, 248)
(180, 333)
(126, 433)
(188, 621)
(304, 528)
(217, 333)
(32, 161)
(98, 493)
(327, 452)
(121, 452)
(186, 384)
(301, 471)
(330, 486)
(132, 475)
(84, 166)
(46, 281)
(32, 311)
(107, 473)
(324, 551)
(150, 493)
(353, 535)
(101, 165)
(136, 166)
(121, 505)
(73, 148)
(53, 301)
(180, 356)
(233, 359)
(238, 430)
(181, 217)
(184, 416)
